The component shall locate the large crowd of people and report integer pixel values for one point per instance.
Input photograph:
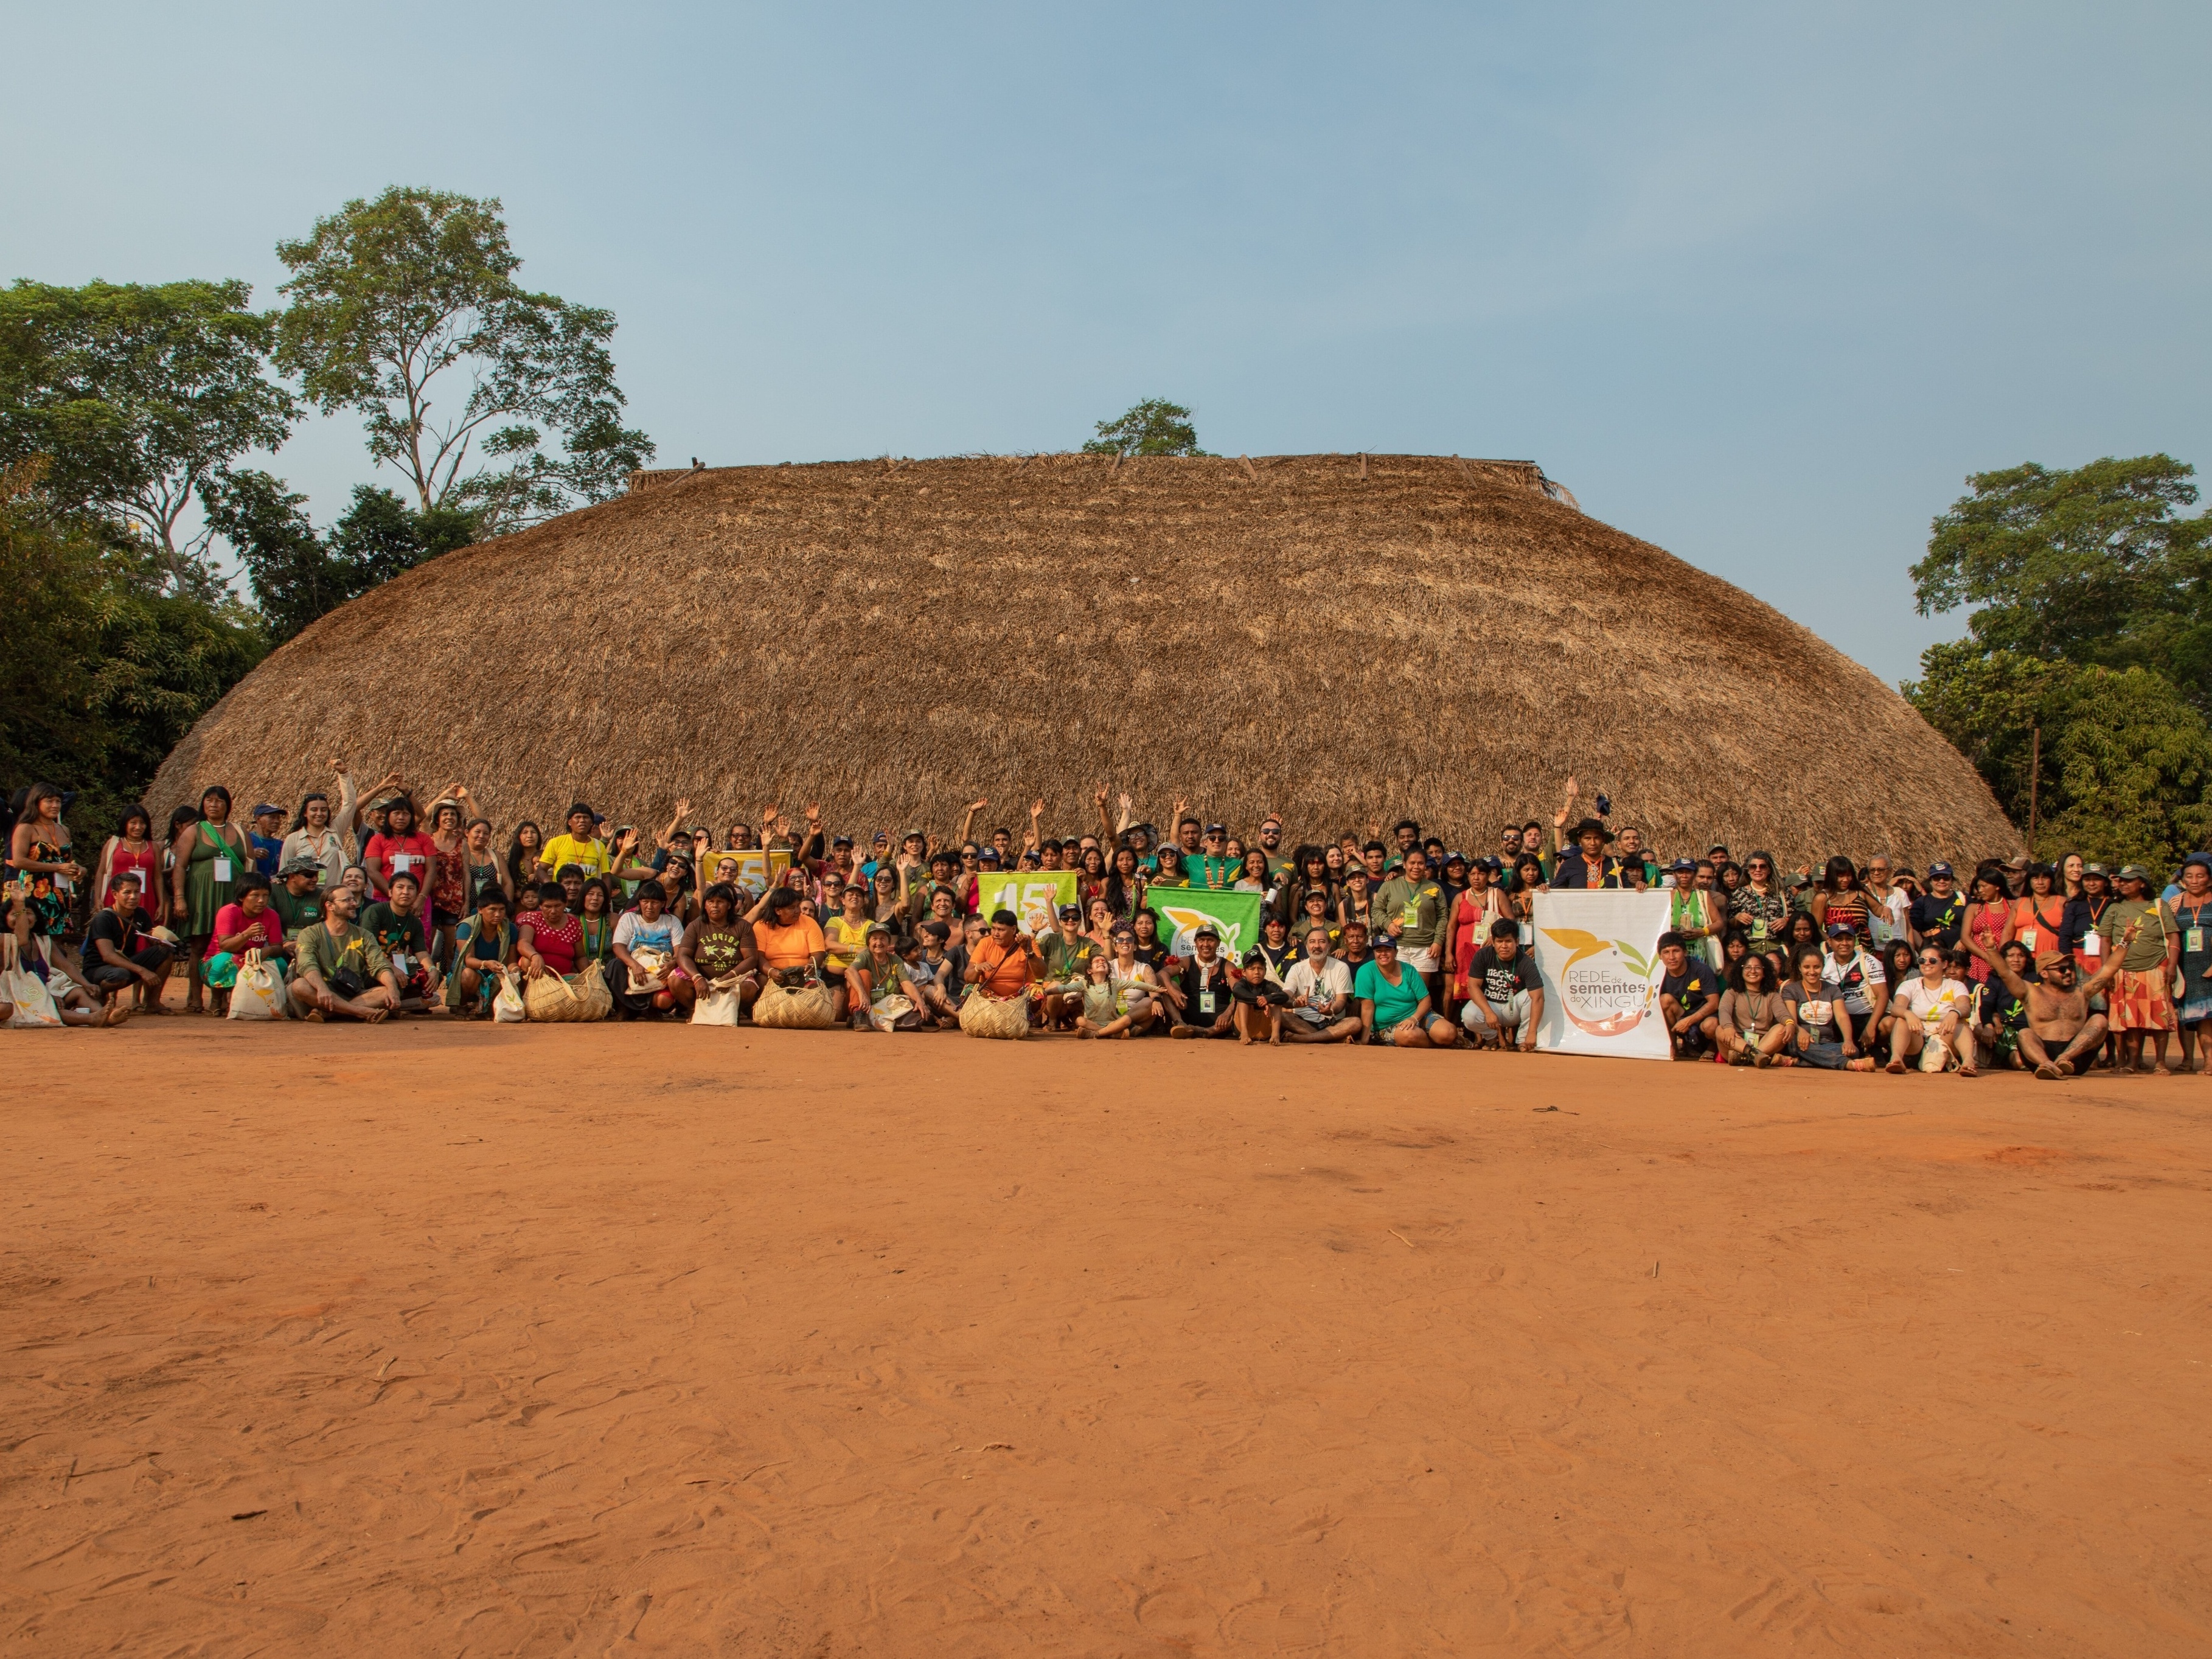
(359, 904)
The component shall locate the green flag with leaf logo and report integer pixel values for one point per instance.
(1034, 895)
(1184, 910)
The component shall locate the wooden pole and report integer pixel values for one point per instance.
(2034, 774)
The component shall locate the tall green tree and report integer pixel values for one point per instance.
(298, 572)
(141, 396)
(1154, 427)
(2096, 564)
(108, 665)
(2082, 686)
(486, 396)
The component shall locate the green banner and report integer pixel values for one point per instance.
(1034, 895)
(1184, 910)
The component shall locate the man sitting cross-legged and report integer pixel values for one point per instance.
(342, 972)
(1321, 1008)
(2060, 1034)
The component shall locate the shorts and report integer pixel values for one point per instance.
(1511, 1015)
(1421, 958)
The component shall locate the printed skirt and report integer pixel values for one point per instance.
(2141, 1002)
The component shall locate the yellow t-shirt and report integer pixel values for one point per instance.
(847, 940)
(593, 858)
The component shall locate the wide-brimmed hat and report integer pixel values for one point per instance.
(1589, 826)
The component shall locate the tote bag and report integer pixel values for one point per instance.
(25, 992)
(259, 991)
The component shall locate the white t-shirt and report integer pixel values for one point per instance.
(1840, 974)
(1929, 1003)
(634, 934)
(1335, 980)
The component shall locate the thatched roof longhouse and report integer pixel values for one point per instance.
(1338, 638)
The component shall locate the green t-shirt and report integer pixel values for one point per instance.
(1419, 905)
(296, 912)
(1393, 1004)
(1066, 959)
(398, 935)
(1207, 871)
(885, 978)
(2149, 948)
(353, 950)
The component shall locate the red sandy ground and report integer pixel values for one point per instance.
(470, 1339)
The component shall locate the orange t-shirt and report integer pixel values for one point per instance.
(790, 947)
(1005, 971)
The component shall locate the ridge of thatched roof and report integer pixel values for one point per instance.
(1337, 638)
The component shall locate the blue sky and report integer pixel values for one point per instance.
(1761, 284)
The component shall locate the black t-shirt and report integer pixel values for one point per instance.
(107, 925)
(1500, 980)
(1994, 1004)
(1690, 987)
(395, 932)
(1221, 984)
(1253, 995)
(1939, 919)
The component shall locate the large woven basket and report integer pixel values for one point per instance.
(808, 1008)
(551, 997)
(984, 1015)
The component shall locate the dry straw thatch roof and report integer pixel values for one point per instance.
(1339, 638)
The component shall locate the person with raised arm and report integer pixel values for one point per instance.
(2063, 1035)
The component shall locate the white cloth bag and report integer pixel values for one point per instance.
(259, 992)
(31, 1003)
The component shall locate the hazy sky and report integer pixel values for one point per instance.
(1759, 285)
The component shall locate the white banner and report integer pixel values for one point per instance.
(1598, 954)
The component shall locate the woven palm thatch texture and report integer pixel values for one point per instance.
(1337, 638)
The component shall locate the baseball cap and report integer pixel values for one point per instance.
(1841, 930)
(1208, 930)
(1938, 869)
(1075, 910)
(1385, 938)
(2095, 870)
(266, 807)
(2134, 872)
(1683, 864)
(1256, 958)
(1217, 829)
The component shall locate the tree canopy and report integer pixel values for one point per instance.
(2086, 677)
(1154, 427)
(106, 666)
(299, 573)
(140, 397)
(406, 310)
